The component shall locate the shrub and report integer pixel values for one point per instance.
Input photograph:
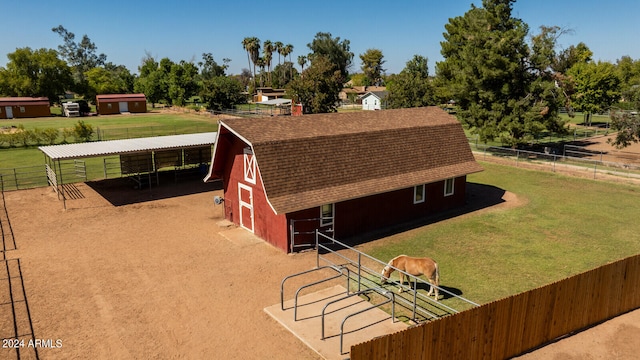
(83, 132)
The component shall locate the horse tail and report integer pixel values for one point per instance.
(437, 279)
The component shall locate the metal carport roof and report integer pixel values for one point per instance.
(111, 147)
(276, 102)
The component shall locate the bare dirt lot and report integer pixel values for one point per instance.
(140, 274)
(146, 280)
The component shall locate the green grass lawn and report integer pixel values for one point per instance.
(114, 121)
(565, 226)
(110, 127)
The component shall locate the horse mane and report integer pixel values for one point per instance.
(395, 258)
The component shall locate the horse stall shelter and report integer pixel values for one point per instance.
(24, 107)
(343, 173)
(121, 103)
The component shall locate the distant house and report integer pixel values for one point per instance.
(355, 93)
(373, 100)
(121, 103)
(342, 173)
(24, 107)
(266, 93)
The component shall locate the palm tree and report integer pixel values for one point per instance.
(277, 46)
(302, 61)
(252, 46)
(245, 45)
(260, 62)
(288, 50)
(268, 55)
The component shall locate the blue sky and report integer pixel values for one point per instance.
(182, 30)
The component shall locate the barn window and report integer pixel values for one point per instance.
(249, 166)
(448, 187)
(109, 106)
(326, 214)
(135, 104)
(418, 194)
(21, 109)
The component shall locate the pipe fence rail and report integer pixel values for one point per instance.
(366, 275)
(390, 299)
(363, 280)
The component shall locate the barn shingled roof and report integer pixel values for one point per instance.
(310, 160)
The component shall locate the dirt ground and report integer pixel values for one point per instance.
(146, 279)
(139, 274)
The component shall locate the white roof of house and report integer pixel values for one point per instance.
(111, 147)
(276, 102)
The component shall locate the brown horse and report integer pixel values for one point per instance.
(416, 267)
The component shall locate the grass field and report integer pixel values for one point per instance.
(565, 226)
(110, 127)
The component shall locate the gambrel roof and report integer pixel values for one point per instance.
(310, 160)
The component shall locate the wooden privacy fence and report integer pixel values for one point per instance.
(514, 325)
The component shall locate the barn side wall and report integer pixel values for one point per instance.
(30, 111)
(362, 215)
(375, 212)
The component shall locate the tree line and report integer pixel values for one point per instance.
(507, 83)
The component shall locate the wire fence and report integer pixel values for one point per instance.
(571, 158)
(151, 131)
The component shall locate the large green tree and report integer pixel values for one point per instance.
(336, 51)
(372, 61)
(627, 126)
(411, 87)
(491, 74)
(318, 86)
(183, 82)
(628, 70)
(571, 56)
(81, 56)
(597, 86)
(35, 73)
(108, 79)
(209, 68)
(222, 92)
(152, 80)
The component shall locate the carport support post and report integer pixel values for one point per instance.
(64, 198)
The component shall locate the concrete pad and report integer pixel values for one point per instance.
(239, 236)
(357, 329)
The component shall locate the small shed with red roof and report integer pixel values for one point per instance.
(24, 107)
(343, 173)
(108, 104)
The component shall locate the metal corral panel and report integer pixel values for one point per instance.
(112, 147)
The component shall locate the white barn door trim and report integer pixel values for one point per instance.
(246, 204)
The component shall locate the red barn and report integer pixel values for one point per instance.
(24, 107)
(344, 173)
(121, 103)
